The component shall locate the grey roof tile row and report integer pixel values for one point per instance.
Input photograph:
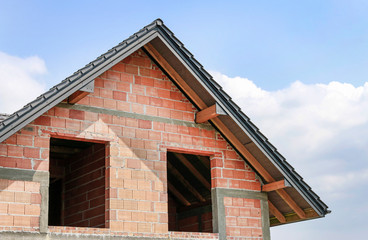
(3, 116)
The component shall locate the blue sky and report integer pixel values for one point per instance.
(314, 41)
(298, 69)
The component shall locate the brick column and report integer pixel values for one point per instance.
(240, 213)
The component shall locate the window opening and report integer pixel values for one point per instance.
(189, 192)
(77, 183)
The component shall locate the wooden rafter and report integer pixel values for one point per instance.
(258, 167)
(178, 195)
(193, 170)
(81, 93)
(243, 150)
(275, 186)
(182, 179)
(173, 74)
(293, 217)
(209, 113)
(229, 135)
(276, 212)
(286, 197)
(75, 97)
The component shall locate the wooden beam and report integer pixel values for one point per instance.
(257, 166)
(81, 93)
(191, 168)
(75, 97)
(275, 186)
(206, 114)
(186, 184)
(178, 195)
(209, 113)
(276, 212)
(286, 197)
(243, 150)
(221, 126)
(198, 101)
(293, 217)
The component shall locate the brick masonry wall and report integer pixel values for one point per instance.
(243, 218)
(191, 223)
(19, 205)
(136, 165)
(26, 149)
(85, 189)
(198, 223)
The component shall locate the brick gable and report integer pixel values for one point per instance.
(139, 113)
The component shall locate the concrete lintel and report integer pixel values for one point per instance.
(25, 175)
(238, 193)
(134, 115)
(219, 214)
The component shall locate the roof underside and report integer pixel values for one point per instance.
(200, 87)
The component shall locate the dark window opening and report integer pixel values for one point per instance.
(77, 183)
(189, 192)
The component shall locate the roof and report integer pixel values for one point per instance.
(3, 116)
(180, 65)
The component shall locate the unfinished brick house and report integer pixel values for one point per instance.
(142, 143)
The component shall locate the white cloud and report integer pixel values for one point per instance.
(343, 181)
(322, 131)
(18, 79)
(304, 118)
(315, 114)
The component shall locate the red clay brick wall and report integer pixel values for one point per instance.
(243, 218)
(201, 223)
(19, 205)
(136, 172)
(230, 171)
(26, 149)
(207, 222)
(189, 224)
(85, 189)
